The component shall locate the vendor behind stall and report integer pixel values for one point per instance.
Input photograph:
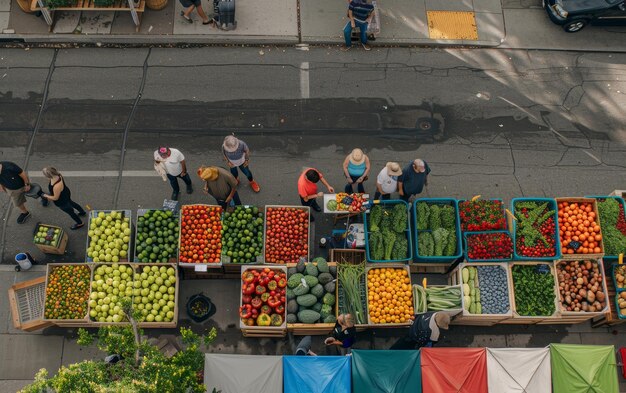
(307, 188)
(343, 334)
(424, 332)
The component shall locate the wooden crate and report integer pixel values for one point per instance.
(80, 322)
(26, 300)
(572, 317)
(126, 214)
(262, 331)
(358, 326)
(531, 320)
(594, 203)
(307, 209)
(50, 249)
(609, 318)
(379, 265)
(198, 267)
(451, 312)
(347, 255)
(467, 318)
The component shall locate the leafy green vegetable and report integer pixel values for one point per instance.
(528, 224)
(440, 236)
(389, 238)
(534, 291)
(400, 248)
(422, 213)
(434, 219)
(426, 244)
(450, 248)
(448, 218)
(377, 249)
(375, 215)
(614, 240)
(399, 218)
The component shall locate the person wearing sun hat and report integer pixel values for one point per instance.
(220, 184)
(175, 166)
(237, 155)
(387, 181)
(413, 179)
(356, 168)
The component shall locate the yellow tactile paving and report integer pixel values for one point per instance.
(452, 25)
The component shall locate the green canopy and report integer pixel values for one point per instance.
(583, 368)
(386, 371)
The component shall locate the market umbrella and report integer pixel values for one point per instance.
(583, 368)
(523, 370)
(243, 373)
(386, 371)
(454, 370)
(316, 374)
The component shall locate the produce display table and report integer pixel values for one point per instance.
(255, 277)
(200, 237)
(98, 225)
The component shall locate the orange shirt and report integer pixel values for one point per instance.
(305, 186)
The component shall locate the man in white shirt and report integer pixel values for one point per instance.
(174, 163)
(387, 181)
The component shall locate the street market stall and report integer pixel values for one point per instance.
(523, 370)
(583, 368)
(386, 371)
(454, 370)
(243, 373)
(332, 374)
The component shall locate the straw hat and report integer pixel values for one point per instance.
(442, 320)
(357, 157)
(393, 169)
(231, 143)
(209, 173)
(419, 164)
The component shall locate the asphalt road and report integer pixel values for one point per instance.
(511, 123)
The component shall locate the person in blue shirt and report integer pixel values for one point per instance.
(360, 13)
(413, 179)
(356, 168)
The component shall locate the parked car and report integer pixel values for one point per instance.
(573, 15)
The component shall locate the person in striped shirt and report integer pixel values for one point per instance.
(360, 13)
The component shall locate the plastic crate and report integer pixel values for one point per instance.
(407, 232)
(506, 227)
(466, 234)
(557, 243)
(617, 312)
(620, 200)
(613, 268)
(416, 232)
(341, 308)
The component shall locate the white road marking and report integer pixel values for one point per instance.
(304, 80)
(592, 156)
(38, 174)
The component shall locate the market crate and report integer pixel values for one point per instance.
(198, 267)
(91, 289)
(340, 309)
(259, 259)
(617, 309)
(60, 245)
(416, 232)
(137, 267)
(468, 234)
(619, 193)
(26, 301)
(613, 272)
(467, 318)
(594, 203)
(353, 256)
(314, 329)
(622, 203)
(84, 321)
(531, 320)
(262, 331)
(459, 208)
(265, 239)
(407, 232)
(452, 312)
(141, 213)
(430, 267)
(386, 266)
(611, 317)
(581, 316)
(126, 214)
(552, 205)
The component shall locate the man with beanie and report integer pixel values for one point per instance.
(425, 331)
(220, 184)
(237, 155)
(174, 162)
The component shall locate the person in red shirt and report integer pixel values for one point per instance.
(307, 188)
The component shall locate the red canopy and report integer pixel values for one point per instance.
(454, 370)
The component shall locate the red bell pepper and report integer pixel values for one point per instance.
(247, 276)
(272, 285)
(282, 282)
(260, 289)
(280, 309)
(248, 289)
(265, 309)
(256, 302)
(245, 311)
(246, 299)
(274, 302)
(265, 296)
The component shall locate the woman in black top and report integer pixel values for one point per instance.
(344, 332)
(62, 197)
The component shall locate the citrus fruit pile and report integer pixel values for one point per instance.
(109, 237)
(157, 236)
(242, 238)
(67, 292)
(389, 295)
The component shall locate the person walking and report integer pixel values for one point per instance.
(360, 13)
(356, 168)
(307, 188)
(175, 167)
(425, 331)
(189, 6)
(14, 181)
(304, 347)
(61, 196)
(387, 181)
(220, 184)
(413, 179)
(343, 334)
(237, 155)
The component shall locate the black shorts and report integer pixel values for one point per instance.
(189, 3)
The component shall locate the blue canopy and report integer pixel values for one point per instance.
(316, 374)
(386, 371)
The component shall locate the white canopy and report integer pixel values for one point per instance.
(243, 373)
(523, 370)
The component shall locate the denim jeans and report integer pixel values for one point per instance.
(223, 203)
(244, 169)
(347, 32)
(379, 196)
(349, 187)
(174, 181)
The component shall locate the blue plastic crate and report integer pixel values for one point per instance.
(506, 225)
(466, 234)
(459, 241)
(552, 205)
(620, 200)
(613, 267)
(619, 314)
(386, 203)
